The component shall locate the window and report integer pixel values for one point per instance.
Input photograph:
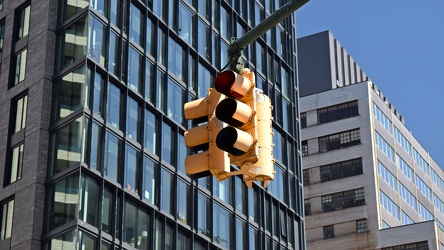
(2, 34)
(407, 195)
(151, 131)
(97, 41)
(303, 118)
(203, 214)
(307, 207)
(385, 147)
(16, 165)
(338, 112)
(361, 226)
(422, 163)
(388, 204)
(150, 173)
(306, 177)
(406, 220)
(203, 43)
(425, 214)
(71, 44)
(113, 57)
(382, 118)
(405, 144)
(136, 226)
(185, 24)
(6, 217)
(89, 195)
(23, 21)
(20, 67)
(132, 169)
(340, 170)
(304, 148)
(387, 176)
(343, 200)
(404, 167)
(176, 96)
(114, 106)
(167, 199)
(339, 140)
(222, 226)
(62, 202)
(135, 76)
(183, 200)
(176, 59)
(329, 232)
(136, 24)
(133, 126)
(66, 147)
(168, 151)
(113, 156)
(424, 188)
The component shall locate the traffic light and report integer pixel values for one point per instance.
(248, 138)
(212, 160)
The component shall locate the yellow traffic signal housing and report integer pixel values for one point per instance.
(248, 139)
(238, 110)
(213, 160)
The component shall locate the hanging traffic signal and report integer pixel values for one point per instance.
(238, 111)
(248, 138)
(212, 160)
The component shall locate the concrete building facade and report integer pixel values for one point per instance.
(368, 183)
(92, 129)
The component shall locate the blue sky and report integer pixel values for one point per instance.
(400, 46)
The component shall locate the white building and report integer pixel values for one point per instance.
(368, 183)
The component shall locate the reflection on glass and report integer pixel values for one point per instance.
(166, 196)
(149, 36)
(97, 41)
(175, 100)
(176, 59)
(23, 22)
(150, 131)
(183, 190)
(6, 215)
(241, 235)
(101, 6)
(133, 120)
(149, 82)
(99, 90)
(222, 226)
(107, 210)
(89, 208)
(131, 166)
(205, 79)
(16, 164)
(223, 190)
(203, 214)
(64, 241)
(149, 181)
(185, 24)
(96, 147)
(20, 68)
(240, 191)
(112, 157)
(135, 24)
(63, 199)
(167, 143)
(68, 9)
(183, 240)
(114, 105)
(21, 112)
(86, 241)
(113, 59)
(203, 45)
(182, 154)
(115, 12)
(66, 147)
(72, 43)
(135, 70)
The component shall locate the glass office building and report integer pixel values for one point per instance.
(110, 171)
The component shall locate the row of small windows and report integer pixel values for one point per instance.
(338, 112)
(341, 200)
(405, 144)
(422, 163)
(382, 118)
(387, 176)
(424, 212)
(424, 188)
(385, 147)
(404, 167)
(333, 113)
(388, 204)
(339, 140)
(407, 195)
(334, 141)
(329, 231)
(336, 170)
(405, 219)
(417, 246)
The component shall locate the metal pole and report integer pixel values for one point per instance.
(271, 21)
